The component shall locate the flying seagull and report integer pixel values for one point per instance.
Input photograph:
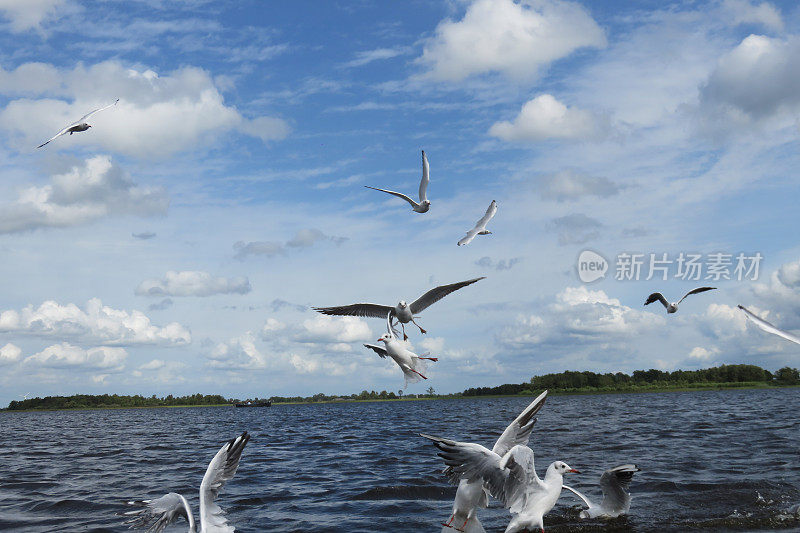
(424, 204)
(616, 501)
(156, 515)
(480, 226)
(403, 312)
(672, 307)
(510, 478)
(769, 328)
(79, 125)
(471, 494)
(410, 363)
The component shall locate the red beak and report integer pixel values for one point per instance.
(574, 471)
(379, 340)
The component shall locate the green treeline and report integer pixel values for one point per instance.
(104, 401)
(727, 376)
(641, 380)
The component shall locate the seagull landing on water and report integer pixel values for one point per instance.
(156, 515)
(512, 479)
(424, 204)
(480, 226)
(616, 501)
(403, 312)
(672, 307)
(410, 363)
(471, 494)
(769, 328)
(79, 125)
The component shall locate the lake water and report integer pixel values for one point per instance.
(711, 461)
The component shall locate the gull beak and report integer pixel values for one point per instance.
(379, 340)
(572, 470)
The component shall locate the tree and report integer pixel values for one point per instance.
(787, 376)
(431, 391)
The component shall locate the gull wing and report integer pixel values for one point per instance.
(656, 296)
(615, 483)
(468, 237)
(426, 179)
(221, 469)
(89, 114)
(398, 194)
(370, 310)
(579, 495)
(519, 431)
(380, 350)
(480, 225)
(506, 477)
(84, 117)
(695, 291)
(434, 295)
(156, 515)
(769, 328)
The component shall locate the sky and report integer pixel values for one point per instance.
(179, 244)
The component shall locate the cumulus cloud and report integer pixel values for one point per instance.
(239, 353)
(166, 303)
(747, 12)
(192, 283)
(575, 229)
(95, 323)
(502, 264)
(90, 191)
(515, 38)
(329, 329)
(10, 354)
(67, 355)
(157, 115)
(757, 81)
(28, 14)
(304, 238)
(571, 184)
(544, 118)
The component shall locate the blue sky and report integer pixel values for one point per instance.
(177, 245)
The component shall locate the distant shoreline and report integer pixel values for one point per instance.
(459, 396)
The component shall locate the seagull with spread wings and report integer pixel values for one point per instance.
(424, 204)
(480, 226)
(510, 478)
(471, 494)
(403, 312)
(79, 125)
(672, 307)
(616, 500)
(769, 328)
(156, 515)
(410, 363)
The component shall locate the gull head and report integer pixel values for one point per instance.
(385, 338)
(402, 304)
(563, 468)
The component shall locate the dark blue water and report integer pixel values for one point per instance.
(711, 461)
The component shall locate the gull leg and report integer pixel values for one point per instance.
(420, 327)
(417, 373)
(405, 337)
(434, 359)
(452, 517)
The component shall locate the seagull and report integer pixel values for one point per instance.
(403, 312)
(79, 125)
(769, 328)
(471, 494)
(672, 307)
(511, 479)
(156, 515)
(424, 204)
(410, 363)
(480, 226)
(616, 501)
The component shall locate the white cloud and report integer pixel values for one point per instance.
(378, 54)
(95, 323)
(154, 364)
(757, 81)
(239, 353)
(544, 118)
(192, 283)
(98, 188)
(515, 38)
(67, 355)
(746, 12)
(328, 329)
(157, 115)
(703, 354)
(304, 238)
(28, 14)
(10, 354)
(570, 184)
